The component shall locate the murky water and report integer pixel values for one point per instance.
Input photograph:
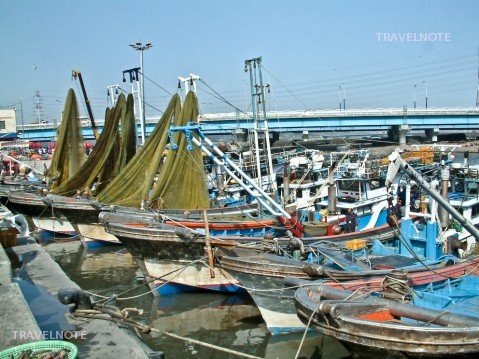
(231, 322)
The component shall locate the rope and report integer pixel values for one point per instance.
(116, 296)
(306, 329)
(122, 317)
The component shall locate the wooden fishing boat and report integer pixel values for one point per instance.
(175, 255)
(59, 216)
(271, 279)
(432, 323)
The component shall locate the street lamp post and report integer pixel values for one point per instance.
(140, 47)
(344, 96)
(414, 89)
(23, 125)
(340, 106)
(425, 82)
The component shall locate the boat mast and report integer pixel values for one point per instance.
(187, 82)
(260, 122)
(134, 80)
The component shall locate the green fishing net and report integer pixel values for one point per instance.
(131, 186)
(182, 180)
(109, 154)
(69, 154)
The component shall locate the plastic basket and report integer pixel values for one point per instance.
(355, 244)
(55, 345)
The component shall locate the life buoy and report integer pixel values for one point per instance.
(459, 186)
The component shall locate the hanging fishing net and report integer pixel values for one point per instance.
(131, 186)
(68, 155)
(128, 135)
(182, 180)
(110, 153)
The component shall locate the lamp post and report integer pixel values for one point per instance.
(340, 106)
(425, 82)
(23, 125)
(414, 89)
(140, 47)
(344, 96)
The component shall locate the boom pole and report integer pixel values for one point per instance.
(396, 163)
(75, 74)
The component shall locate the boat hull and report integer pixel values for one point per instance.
(386, 325)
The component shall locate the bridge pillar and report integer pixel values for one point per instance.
(305, 135)
(432, 133)
(397, 133)
(241, 134)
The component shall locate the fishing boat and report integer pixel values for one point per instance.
(418, 248)
(424, 323)
(270, 279)
(172, 258)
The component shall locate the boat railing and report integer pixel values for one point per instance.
(248, 162)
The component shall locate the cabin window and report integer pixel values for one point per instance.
(348, 185)
(472, 188)
(377, 183)
(2, 125)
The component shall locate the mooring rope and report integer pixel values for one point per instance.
(122, 317)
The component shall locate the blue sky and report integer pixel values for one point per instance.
(308, 48)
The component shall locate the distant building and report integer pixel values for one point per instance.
(8, 125)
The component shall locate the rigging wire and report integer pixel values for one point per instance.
(146, 77)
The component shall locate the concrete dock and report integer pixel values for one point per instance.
(94, 338)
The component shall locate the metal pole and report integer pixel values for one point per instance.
(255, 118)
(414, 96)
(142, 98)
(339, 96)
(396, 162)
(272, 179)
(21, 113)
(425, 82)
(141, 93)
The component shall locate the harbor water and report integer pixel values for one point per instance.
(223, 320)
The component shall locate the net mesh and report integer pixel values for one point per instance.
(182, 180)
(109, 154)
(68, 155)
(131, 186)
